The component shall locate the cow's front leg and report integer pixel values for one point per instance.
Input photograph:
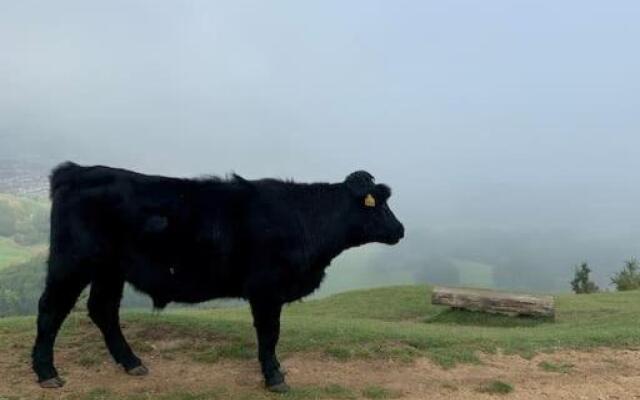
(266, 319)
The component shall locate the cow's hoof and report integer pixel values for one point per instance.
(278, 388)
(140, 370)
(52, 383)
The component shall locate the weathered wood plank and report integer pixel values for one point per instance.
(494, 302)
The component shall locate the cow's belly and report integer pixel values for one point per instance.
(203, 288)
(165, 283)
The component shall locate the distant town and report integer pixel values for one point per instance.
(24, 178)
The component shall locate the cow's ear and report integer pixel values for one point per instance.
(369, 201)
(360, 182)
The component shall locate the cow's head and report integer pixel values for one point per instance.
(370, 218)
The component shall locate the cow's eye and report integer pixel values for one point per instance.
(369, 201)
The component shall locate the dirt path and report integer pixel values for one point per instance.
(599, 374)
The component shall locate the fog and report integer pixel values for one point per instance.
(509, 131)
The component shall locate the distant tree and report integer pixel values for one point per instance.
(24, 220)
(581, 283)
(629, 277)
(21, 286)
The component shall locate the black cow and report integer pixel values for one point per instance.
(191, 240)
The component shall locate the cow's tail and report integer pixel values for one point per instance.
(62, 175)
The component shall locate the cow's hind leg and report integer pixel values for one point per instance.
(103, 305)
(56, 302)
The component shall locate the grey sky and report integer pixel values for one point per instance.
(492, 114)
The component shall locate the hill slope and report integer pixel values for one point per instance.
(369, 331)
(24, 228)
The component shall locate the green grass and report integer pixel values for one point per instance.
(562, 368)
(106, 394)
(388, 323)
(328, 392)
(377, 392)
(332, 391)
(496, 387)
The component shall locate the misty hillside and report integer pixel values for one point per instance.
(24, 228)
(471, 253)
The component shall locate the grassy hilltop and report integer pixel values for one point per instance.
(393, 323)
(392, 328)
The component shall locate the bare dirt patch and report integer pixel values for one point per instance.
(598, 374)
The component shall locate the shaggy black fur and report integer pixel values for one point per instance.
(186, 240)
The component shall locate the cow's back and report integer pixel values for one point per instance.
(172, 238)
(106, 203)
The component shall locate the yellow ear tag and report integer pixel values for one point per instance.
(369, 201)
